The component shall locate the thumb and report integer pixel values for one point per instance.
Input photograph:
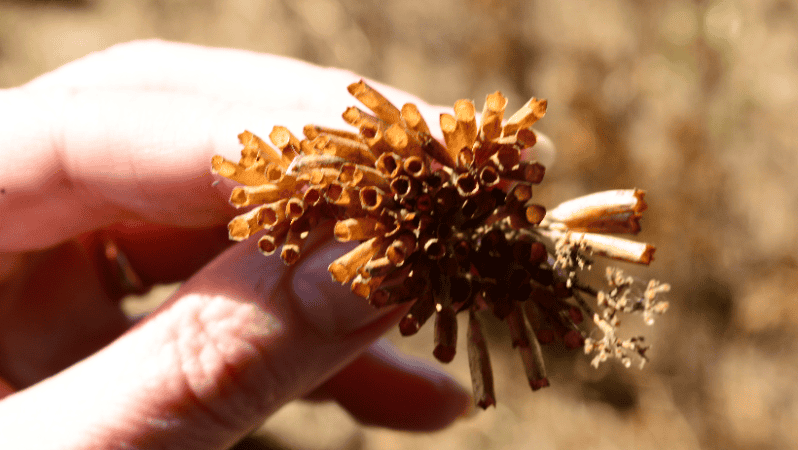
(241, 338)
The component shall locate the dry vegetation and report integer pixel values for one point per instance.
(695, 101)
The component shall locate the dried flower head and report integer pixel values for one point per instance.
(450, 227)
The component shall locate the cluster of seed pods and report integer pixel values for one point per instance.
(450, 226)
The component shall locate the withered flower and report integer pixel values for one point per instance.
(449, 226)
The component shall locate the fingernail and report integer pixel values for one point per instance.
(330, 306)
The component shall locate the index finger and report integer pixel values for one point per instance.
(83, 152)
(74, 162)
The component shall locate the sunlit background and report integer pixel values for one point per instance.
(694, 101)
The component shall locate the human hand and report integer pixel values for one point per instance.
(116, 147)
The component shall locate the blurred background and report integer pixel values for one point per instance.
(694, 101)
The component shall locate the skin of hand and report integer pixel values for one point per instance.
(117, 146)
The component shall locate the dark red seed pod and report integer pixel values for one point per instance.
(434, 249)
(462, 290)
(528, 347)
(573, 339)
(508, 158)
(546, 336)
(446, 200)
(529, 172)
(421, 310)
(489, 177)
(537, 253)
(466, 184)
(416, 167)
(522, 251)
(433, 182)
(390, 295)
(445, 334)
(561, 290)
(462, 252)
(424, 203)
(502, 306)
(405, 187)
(576, 315)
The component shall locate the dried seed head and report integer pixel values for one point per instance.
(452, 227)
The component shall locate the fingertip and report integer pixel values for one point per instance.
(386, 388)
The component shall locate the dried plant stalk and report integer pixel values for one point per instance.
(345, 268)
(273, 213)
(412, 117)
(466, 120)
(313, 131)
(293, 246)
(346, 149)
(368, 124)
(365, 286)
(617, 211)
(237, 172)
(609, 246)
(454, 134)
(445, 334)
(322, 178)
(252, 195)
(528, 347)
(492, 115)
(273, 238)
(375, 102)
(379, 267)
(359, 175)
(479, 363)
(286, 142)
(525, 117)
(255, 148)
(358, 229)
(247, 224)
